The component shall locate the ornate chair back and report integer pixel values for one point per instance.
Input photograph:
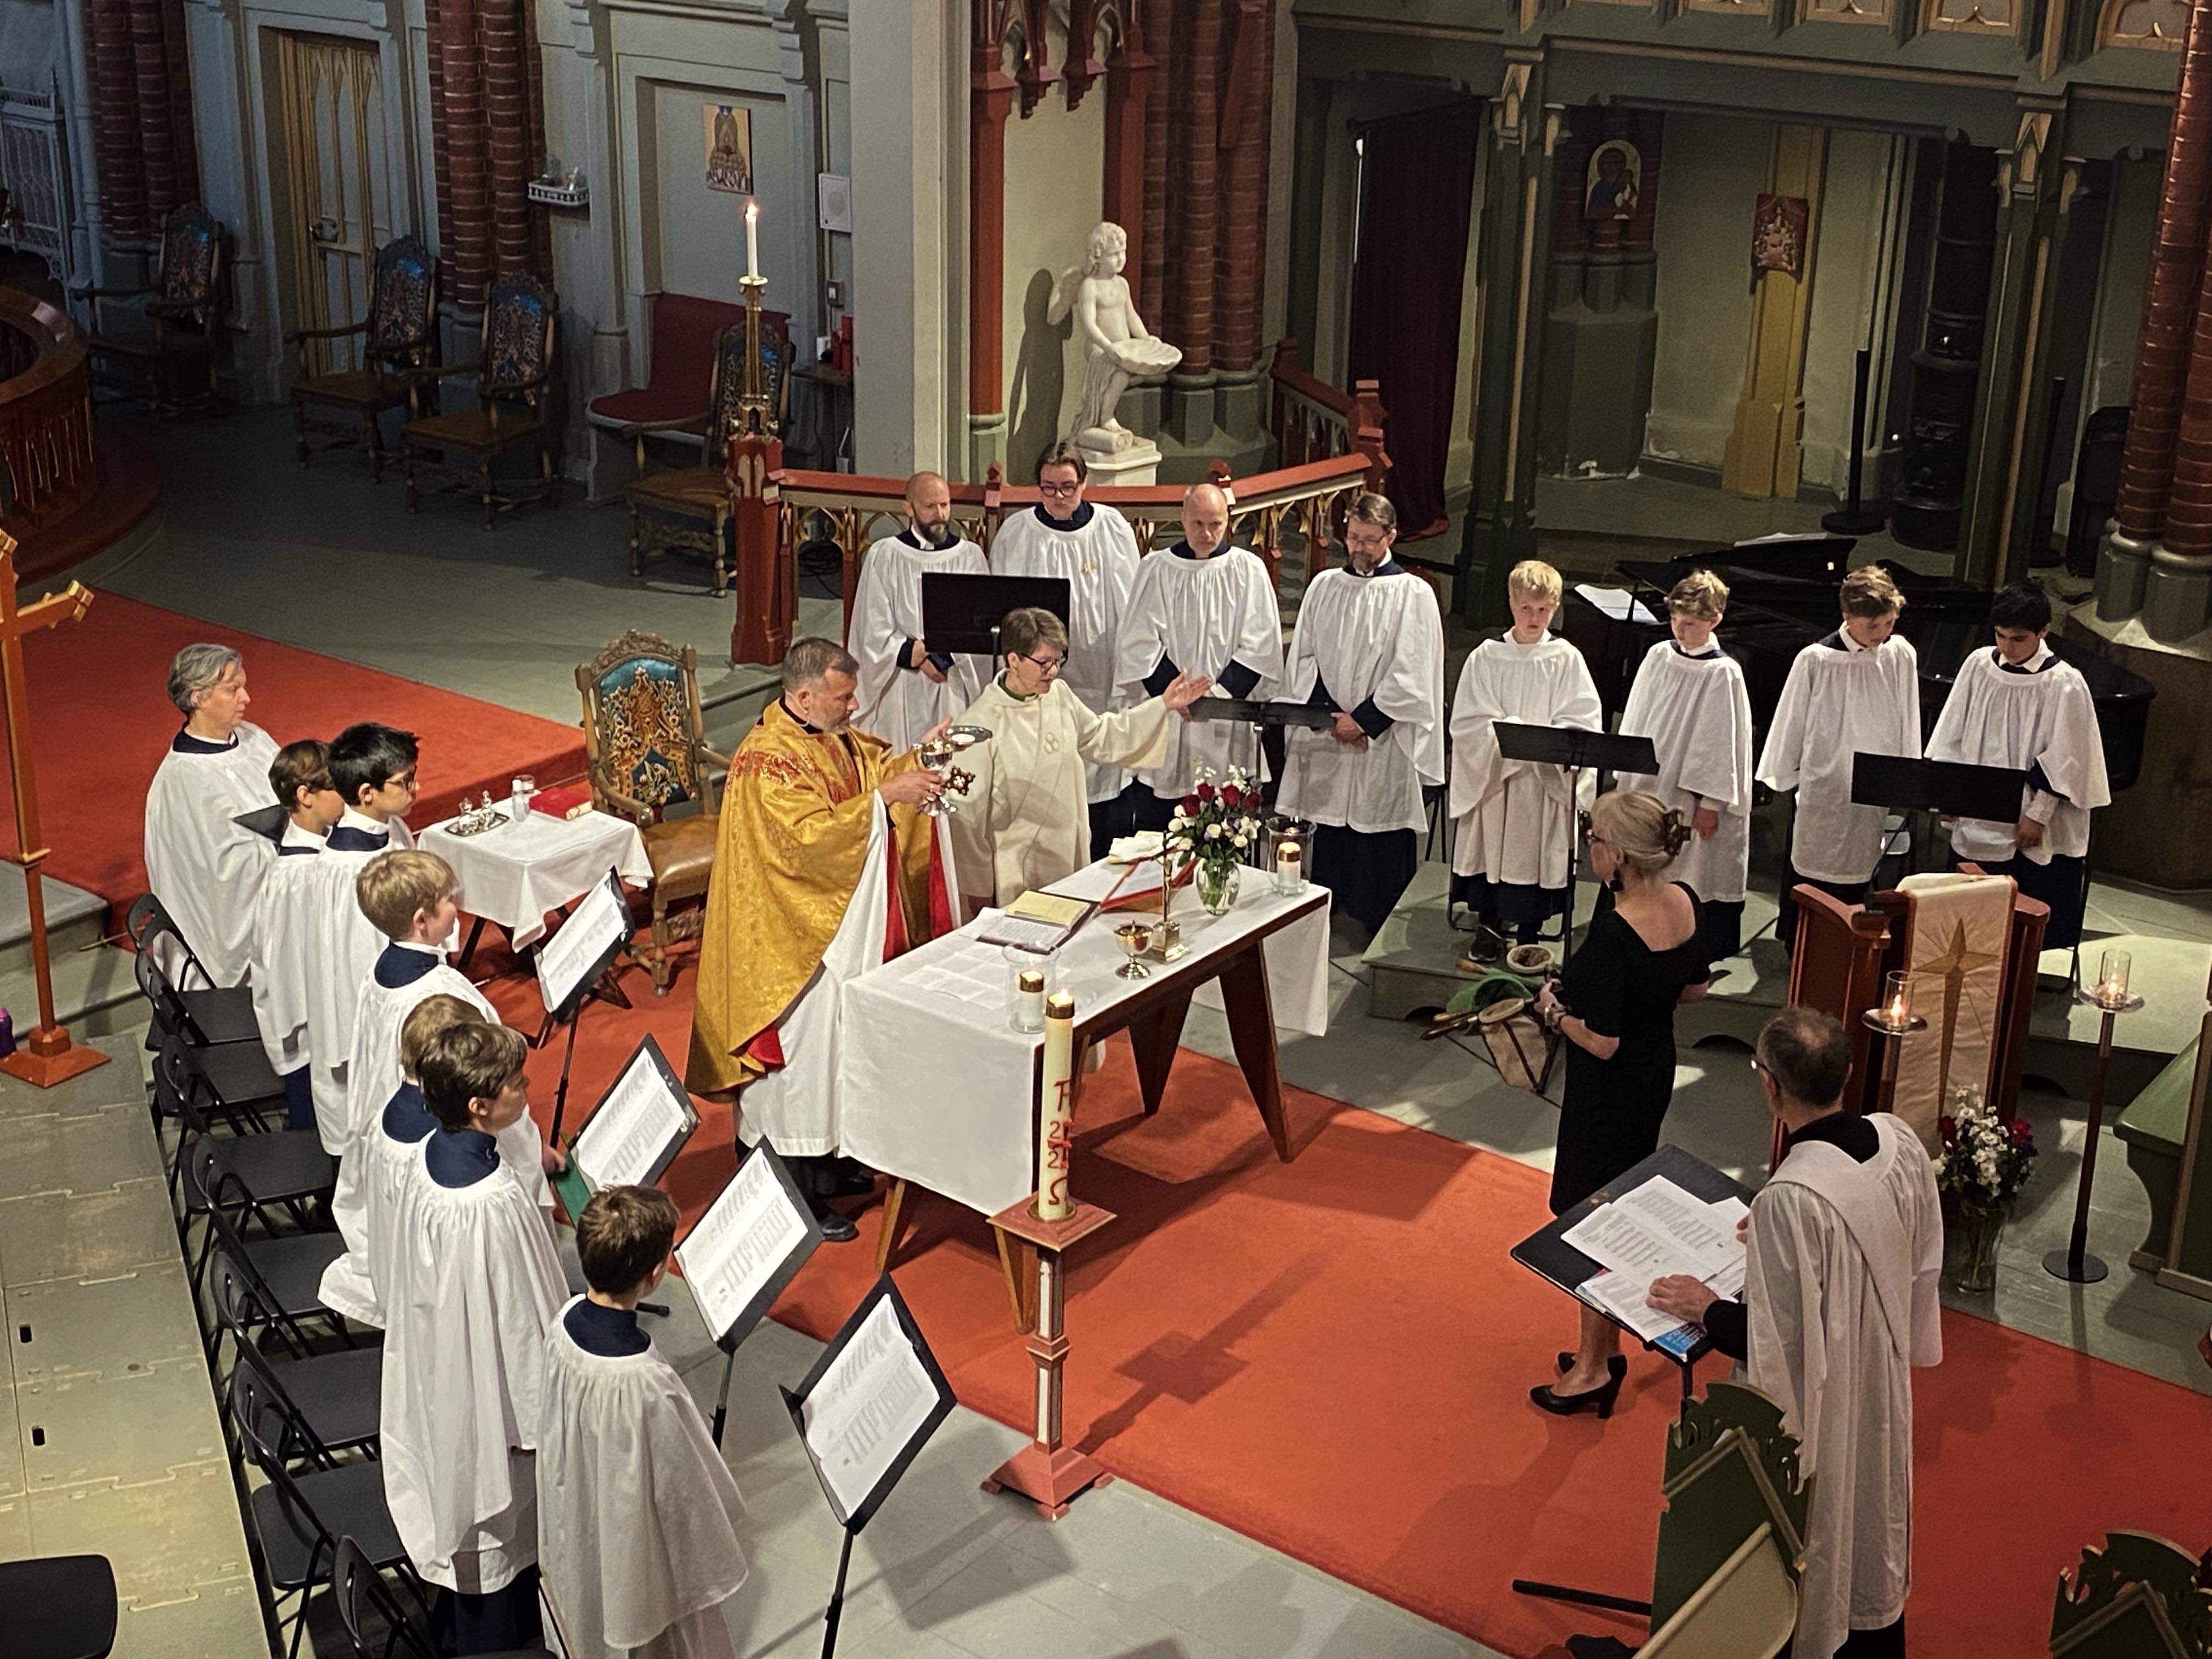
(520, 314)
(777, 355)
(403, 305)
(192, 263)
(726, 392)
(644, 732)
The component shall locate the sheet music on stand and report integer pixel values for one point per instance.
(869, 1406)
(639, 1125)
(751, 1243)
(582, 947)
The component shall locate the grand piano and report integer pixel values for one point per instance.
(1782, 596)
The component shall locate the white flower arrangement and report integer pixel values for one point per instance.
(1216, 822)
(1985, 1159)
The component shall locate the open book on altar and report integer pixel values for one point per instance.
(1655, 1230)
(1039, 921)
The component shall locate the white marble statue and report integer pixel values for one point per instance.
(1116, 346)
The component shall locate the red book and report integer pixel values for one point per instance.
(570, 801)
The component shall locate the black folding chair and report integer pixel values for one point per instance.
(149, 919)
(365, 1601)
(59, 1606)
(205, 1019)
(234, 1082)
(299, 1518)
(274, 1166)
(285, 1275)
(335, 1397)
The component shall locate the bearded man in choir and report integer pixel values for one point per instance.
(1843, 1250)
(1856, 692)
(1025, 823)
(1203, 607)
(1516, 819)
(1689, 699)
(905, 687)
(2017, 706)
(203, 866)
(1369, 650)
(822, 870)
(1093, 548)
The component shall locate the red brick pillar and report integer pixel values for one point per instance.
(1149, 250)
(509, 133)
(1241, 256)
(143, 144)
(487, 137)
(1128, 111)
(468, 257)
(1195, 195)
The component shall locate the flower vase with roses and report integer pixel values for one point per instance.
(1981, 1168)
(1214, 828)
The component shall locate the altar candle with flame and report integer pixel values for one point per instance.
(752, 239)
(2112, 978)
(1056, 1108)
(1897, 1004)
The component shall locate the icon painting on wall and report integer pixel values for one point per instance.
(1614, 175)
(1778, 234)
(729, 148)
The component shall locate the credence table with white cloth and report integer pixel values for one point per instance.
(517, 873)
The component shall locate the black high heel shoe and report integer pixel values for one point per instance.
(1599, 1400)
(1617, 1366)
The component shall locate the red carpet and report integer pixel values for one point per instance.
(1332, 1357)
(102, 720)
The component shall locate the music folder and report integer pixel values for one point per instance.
(633, 1134)
(1252, 711)
(265, 821)
(1953, 789)
(1571, 745)
(961, 610)
(746, 1251)
(583, 947)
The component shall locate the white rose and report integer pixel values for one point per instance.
(1213, 832)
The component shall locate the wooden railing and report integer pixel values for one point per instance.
(45, 415)
(1313, 420)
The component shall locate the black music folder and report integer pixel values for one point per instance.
(1571, 745)
(1951, 789)
(961, 610)
(1253, 712)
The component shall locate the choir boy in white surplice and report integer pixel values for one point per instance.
(1093, 548)
(388, 1155)
(277, 948)
(2017, 705)
(637, 1515)
(905, 687)
(1842, 1251)
(201, 863)
(1023, 824)
(1202, 607)
(375, 769)
(407, 894)
(1369, 648)
(475, 1287)
(1689, 699)
(1856, 692)
(1514, 820)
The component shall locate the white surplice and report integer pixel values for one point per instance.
(1841, 700)
(475, 1284)
(898, 704)
(1698, 716)
(1201, 615)
(1378, 640)
(2042, 717)
(276, 952)
(1024, 821)
(385, 1168)
(1098, 558)
(795, 1104)
(1514, 819)
(637, 1514)
(342, 946)
(1841, 1268)
(204, 867)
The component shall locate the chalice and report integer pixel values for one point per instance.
(936, 757)
(1136, 939)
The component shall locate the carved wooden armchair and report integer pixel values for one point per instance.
(513, 373)
(645, 740)
(181, 304)
(398, 335)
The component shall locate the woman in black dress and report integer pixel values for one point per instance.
(1615, 1005)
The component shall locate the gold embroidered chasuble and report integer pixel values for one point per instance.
(797, 813)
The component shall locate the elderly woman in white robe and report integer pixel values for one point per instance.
(1026, 819)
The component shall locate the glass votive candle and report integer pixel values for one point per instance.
(1287, 842)
(1897, 1001)
(1029, 978)
(2112, 978)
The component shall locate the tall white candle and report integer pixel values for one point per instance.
(1056, 1108)
(752, 239)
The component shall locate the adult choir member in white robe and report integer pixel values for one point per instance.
(1689, 699)
(1842, 1250)
(475, 1286)
(1202, 607)
(1856, 692)
(1093, 548)
(637, 1515)
(2017, 706)
(375, 769)
(201, 863)
(1514, 821)
(1023, 823)
(1369, 650)
(277, 947)
(906, 688)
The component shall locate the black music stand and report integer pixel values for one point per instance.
(961, 610)
(1951, 789)
(1547, 1254)
(1254, 712)
(1574, 749)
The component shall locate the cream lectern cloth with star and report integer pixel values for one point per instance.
(1958, 927)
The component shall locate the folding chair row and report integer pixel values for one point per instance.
(335, 1397)
(366, 1601)
(211, 1015)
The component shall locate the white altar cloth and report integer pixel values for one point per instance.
(515, 874)
(942, 1091)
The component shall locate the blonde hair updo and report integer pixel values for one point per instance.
(1644, 832)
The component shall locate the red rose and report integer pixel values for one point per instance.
(1205, 792)
(1232, 796)
(2023, 1132)
(1190, 806)
(1949, 1128)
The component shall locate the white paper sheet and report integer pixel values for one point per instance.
(632, 1127)
(872, 1400)
(1624, 1298)
(1091, 884)
(1656, 1231)
(746, 1234)
(1039, 936)
(1617, 602)
(596, 922)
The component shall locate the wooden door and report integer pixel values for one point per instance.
(337, 179)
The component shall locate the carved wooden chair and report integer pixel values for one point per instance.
(180, 313)
(513, 373)
(398, 335)
(645, 740)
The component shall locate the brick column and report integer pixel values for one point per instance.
(1129, 169)
(1149, 251)
(990, 102)
(144, 150)
(1241, 253)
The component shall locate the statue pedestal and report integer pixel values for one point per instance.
(1137, 466)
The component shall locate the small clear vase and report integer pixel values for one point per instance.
(1217, 886)
(1982, 1231)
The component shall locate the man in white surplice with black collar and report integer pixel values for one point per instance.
(906, 687)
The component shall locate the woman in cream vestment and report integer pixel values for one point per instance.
(1026, 821)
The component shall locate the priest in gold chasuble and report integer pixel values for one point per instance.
(824, 870)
